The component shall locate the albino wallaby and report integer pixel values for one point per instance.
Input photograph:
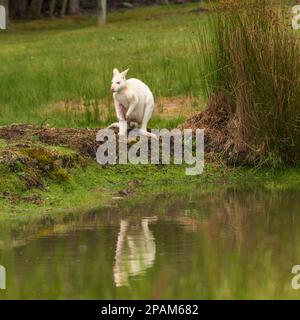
(134, 103)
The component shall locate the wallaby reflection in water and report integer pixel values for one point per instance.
(135, 250)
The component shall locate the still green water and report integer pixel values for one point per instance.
(232, 244)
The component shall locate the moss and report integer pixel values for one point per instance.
(43, 156)
(59, 175)
(34, 166)
(62, 151)
(3, 144)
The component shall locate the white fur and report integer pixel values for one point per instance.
(134, 102)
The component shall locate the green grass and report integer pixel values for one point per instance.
(61, 61)
(89, 188)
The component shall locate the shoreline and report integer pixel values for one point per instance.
(47, 170)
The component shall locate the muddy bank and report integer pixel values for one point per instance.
(220, 123)
(82, 140)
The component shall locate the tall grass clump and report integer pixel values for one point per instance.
(250, 56)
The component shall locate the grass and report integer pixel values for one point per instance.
(59, 71)
(252, 57)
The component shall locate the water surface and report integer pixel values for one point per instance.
(232, 244)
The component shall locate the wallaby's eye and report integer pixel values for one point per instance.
(118, 82)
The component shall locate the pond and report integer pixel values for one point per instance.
(227, 244)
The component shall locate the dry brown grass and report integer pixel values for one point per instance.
(165, 107)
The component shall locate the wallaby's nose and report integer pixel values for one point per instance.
(112, 89)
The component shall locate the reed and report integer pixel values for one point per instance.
(250, 54)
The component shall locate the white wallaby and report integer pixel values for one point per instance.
(134, 103)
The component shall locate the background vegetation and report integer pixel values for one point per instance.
(59, 71)
(252, 69)
(33, 9)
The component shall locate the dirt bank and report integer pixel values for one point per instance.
(219, 123)
(82, 140)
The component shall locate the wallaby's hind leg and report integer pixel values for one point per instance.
(147, 116)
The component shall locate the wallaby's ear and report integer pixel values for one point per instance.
(124, 73)
(116, 71)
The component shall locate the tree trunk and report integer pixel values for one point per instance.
(52, 7)
(35, 8)
(64, 8)
(74, 6)
(21, 7)
(5, 4)
(101, 12)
